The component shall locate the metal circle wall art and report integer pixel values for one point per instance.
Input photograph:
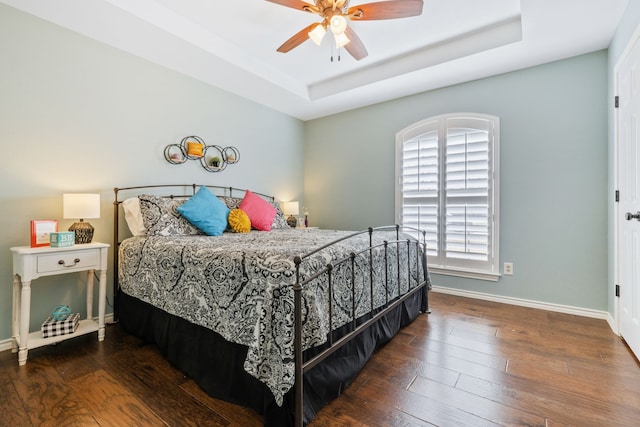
(213, 158)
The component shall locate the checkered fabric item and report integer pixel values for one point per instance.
(51, 328)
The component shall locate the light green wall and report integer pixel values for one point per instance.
(78, 116)
(553, 172)
(628, 27)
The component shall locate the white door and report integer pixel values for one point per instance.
(628, 78)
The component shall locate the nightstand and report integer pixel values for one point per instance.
(31, 263)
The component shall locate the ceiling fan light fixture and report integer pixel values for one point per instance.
(335, 13)
(317, 34)
(338, 24)
(341, 40)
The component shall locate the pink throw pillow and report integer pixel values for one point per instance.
(259, 211)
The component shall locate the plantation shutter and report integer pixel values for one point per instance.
(420, 183)
(467, 190)
(447, 187)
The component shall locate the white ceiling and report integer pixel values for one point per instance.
(232, 44)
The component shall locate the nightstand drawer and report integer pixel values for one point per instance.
(65, 261)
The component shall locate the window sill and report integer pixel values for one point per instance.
(469, 274)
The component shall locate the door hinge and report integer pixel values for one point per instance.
(617, 101)
(617, 195)
(618, 290)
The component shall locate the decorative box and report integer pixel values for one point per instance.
(62, 238)
(52, 328)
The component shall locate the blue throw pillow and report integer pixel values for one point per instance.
(206, 211)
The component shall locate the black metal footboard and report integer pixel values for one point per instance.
(360, 323)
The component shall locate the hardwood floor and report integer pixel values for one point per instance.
(468, 363)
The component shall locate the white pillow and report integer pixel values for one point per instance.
(133, 216)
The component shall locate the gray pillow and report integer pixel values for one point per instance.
(161, 218)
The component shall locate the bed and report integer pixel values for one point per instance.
(278, 320)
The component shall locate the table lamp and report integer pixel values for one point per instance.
(291, 209)
(81, 206)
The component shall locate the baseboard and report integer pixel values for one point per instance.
(567, 309)
(6, 344)
(612, 324)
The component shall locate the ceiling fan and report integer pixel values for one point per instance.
(334, 14)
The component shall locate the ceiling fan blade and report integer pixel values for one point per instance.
(297, 4)
(297, 39)
(386, 10)
(355, 47)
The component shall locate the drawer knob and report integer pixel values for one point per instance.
(63, 263)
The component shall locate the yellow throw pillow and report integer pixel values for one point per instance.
(239, 221)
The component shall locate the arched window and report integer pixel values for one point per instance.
(447, 183)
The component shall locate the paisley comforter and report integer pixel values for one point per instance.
(241, 286)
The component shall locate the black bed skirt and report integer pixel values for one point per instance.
(216, 364)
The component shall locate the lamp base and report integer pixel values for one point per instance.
(292, 221)
(83, 231)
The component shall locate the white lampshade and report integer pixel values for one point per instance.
(338, 24)
(317, 34)
(291, 208)
(81, 206)
(341, 40)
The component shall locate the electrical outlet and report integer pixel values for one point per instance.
(508, 268)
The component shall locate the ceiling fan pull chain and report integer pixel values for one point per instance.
(337, 53)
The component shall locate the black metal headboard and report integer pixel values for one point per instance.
(175, 191)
